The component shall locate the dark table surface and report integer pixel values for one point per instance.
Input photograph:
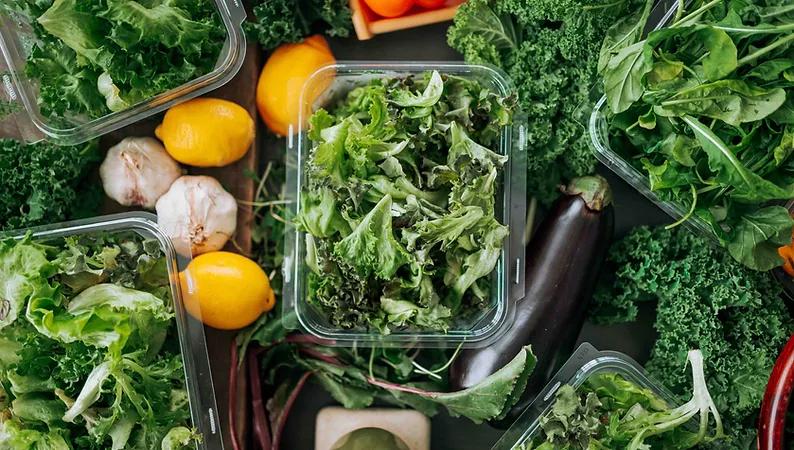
(429, 44)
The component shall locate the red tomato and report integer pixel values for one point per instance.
(430, 4)
(390, 8)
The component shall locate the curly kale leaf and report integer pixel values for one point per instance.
(277, 22)
(705, 300)
(45, 183)
(550, 50)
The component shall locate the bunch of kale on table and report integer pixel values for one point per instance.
(398, 206)
(89, 354)
(705, 300)
(705, 108)
(277, 22)
(45, 183)
(95, 57)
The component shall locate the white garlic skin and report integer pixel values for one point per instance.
(197, 214)
(137, 171)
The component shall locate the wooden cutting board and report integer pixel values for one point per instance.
(241, 90)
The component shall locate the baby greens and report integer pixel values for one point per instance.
(399, 204)
(704, 108)
(610, 412)
(88, 352)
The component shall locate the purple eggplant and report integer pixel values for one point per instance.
(563, 259)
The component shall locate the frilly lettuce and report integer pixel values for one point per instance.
(399, 202)
(89, 356)
(94, 57)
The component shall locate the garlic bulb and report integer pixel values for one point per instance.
(137, 171)
(197, 214)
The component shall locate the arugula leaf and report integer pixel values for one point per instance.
(757, 236)
(720, 59)
(626, 31)
(702, 107)
(748, 185)
(624, 74)
(732, 101)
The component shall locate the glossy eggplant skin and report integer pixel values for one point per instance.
(563, 260)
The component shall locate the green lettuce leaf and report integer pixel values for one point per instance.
(371, 248)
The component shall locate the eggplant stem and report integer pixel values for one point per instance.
(594, 190)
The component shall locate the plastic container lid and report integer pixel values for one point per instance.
(585, 362)
(192, 342)
(21, 118)
(331, 82)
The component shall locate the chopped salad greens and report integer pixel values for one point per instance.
(399, 203)
(94, 57)
(89, 355)
(705, 108)
(611, 412)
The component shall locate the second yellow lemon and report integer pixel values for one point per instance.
(206, 132)
(225, 290)
(280, 84)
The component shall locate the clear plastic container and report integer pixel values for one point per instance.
(193, 345)
(598, 129)
(20, 93)
(585, 362)
(330, 83)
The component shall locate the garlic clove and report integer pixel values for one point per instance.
(197, 214)
(137, 171)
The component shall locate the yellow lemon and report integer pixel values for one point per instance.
(281, 81)
(206, 132)
(225, 290)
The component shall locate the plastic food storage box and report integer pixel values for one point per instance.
(26, 121)
(598, 129)
(585, 362)
(329, 84)
(193, 345)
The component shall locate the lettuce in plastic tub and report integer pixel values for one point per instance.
(93, 342)
(609, 403)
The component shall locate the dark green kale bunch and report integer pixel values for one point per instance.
(277, 22)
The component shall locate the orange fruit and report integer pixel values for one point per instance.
(280, 84)
(206, 132)
(225, 290)
(390, 8)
